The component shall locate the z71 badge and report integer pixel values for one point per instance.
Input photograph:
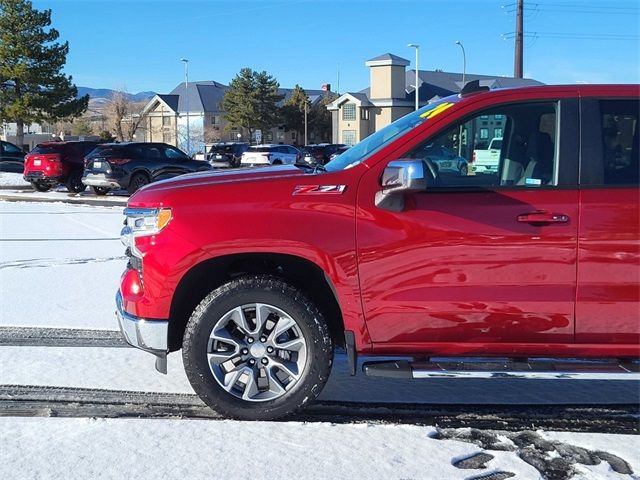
(317, 189)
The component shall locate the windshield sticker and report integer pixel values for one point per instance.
(437, 110)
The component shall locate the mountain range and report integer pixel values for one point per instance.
(105, 94)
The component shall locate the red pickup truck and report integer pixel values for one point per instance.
(530, 271)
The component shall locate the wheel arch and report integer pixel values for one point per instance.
(209, 274)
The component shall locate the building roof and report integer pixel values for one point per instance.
(387, 59)
(442, 84)
(205, 96)
(171, 100)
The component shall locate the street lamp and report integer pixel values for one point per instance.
(186, 100)
(464, 62)
(464, 74)
(417, 81)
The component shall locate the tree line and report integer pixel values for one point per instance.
(34, 89)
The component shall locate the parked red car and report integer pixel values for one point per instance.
(53, 163)
(258, 274)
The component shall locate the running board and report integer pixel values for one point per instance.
(498, 368)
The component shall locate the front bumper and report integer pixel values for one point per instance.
(148, 335)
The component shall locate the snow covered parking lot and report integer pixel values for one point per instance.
(59, 269)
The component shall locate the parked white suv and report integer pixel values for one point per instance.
(487, 160)
(270, 154)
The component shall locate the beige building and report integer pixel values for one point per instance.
(391, 95)
(199, 104)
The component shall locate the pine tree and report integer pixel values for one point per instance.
(33, 87)
(251, 101)
(320, 118)
(292, 112)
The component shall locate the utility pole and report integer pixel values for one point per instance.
(517, 67)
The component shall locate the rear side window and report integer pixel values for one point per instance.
(619, 128)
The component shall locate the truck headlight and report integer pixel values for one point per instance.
(142, 222)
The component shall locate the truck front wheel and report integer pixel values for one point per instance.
(257, 348)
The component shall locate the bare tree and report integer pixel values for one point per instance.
(126, 117)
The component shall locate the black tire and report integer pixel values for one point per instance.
(277, 162)
(266, 290)
(74, 182)
(41, 187)
(138, 181)
(100, 190)
(464, 170)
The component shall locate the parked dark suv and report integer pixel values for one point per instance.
(320, 153)
(134, 165)
(226, 154)
(11, 158)
(53, 163)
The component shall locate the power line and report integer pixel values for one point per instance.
(574, 9)
(579, 36)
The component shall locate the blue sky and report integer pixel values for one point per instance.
(137, 44)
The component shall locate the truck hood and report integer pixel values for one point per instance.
(221, 176)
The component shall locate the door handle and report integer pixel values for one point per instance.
(543, 217)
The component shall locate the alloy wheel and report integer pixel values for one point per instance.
(256, 352)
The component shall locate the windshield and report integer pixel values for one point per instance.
(363, 150)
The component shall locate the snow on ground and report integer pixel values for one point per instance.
(43, 243)
(9, 179)
(60, 266)
(232, 450)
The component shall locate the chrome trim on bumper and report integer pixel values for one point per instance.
(147, 335)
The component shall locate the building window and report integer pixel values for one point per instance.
(215, 120)
(166, 137)
(349, 111)
(364, 113)
(166, 121)
(484, 117)
(280, 134)
(497, 133)
(349, 137)
(498, 117)
(484, 133)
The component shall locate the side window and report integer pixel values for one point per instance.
(152, 152)
(619, 126)
(511, 145)
(12, 149)
(174, 154)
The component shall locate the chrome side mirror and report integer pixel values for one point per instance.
(399, 178)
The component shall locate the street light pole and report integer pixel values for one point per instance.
(464, 62)
(464, 74)
(417, 78)
(186, 100)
